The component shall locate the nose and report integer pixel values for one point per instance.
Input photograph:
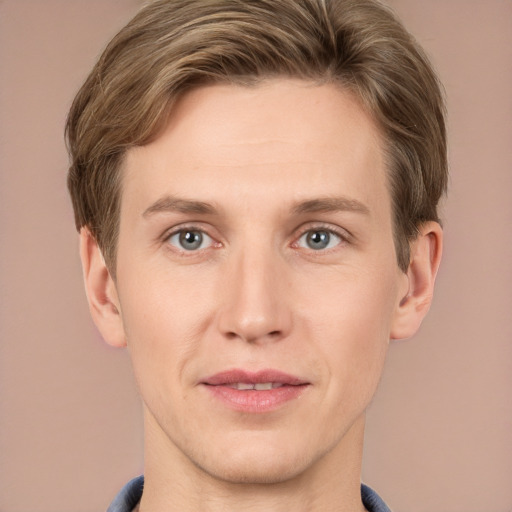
(255, 299)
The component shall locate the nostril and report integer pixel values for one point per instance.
(231, 335)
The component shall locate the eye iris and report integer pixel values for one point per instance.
(318, 239)
(191, 240)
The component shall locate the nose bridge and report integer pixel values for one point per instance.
(255, 307)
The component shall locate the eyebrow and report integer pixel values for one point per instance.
(326, 204)
(174, 204)
(331, 204)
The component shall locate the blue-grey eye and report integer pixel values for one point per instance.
(190, 240)
(319, 239)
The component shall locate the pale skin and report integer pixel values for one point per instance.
(293, 268)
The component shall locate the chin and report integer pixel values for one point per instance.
(254, 472)
(267, 463)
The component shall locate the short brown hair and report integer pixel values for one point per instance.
(171, 46)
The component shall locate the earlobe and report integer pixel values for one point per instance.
(426, 253)
(101, 291)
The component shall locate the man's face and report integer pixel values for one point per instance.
(256, 250)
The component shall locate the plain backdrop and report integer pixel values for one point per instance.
(439, 435)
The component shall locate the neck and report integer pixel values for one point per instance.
(174, 483)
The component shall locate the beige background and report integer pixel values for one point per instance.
(440, 429)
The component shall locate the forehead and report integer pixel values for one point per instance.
(223, 141)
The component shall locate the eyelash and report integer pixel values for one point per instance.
(343, 235)
(188, 229)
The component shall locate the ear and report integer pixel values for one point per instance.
(426, 252)
(101, 291)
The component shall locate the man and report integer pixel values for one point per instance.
(256, 188)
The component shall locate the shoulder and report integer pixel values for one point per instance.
(128, 497)
(372, 501)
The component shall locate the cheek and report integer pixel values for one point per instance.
(164, 318)
(351, 319)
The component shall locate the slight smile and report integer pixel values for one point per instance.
(254, 392)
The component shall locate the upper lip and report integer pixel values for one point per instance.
(238, 375)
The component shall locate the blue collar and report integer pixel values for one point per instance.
(131, 494)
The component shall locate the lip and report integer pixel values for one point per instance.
(253, 401)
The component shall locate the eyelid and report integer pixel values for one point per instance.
(344, 235)
(323, 226)
(175, 230)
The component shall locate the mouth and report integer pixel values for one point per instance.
(254, 392)
(259, 386)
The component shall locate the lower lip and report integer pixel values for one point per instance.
(256, 401)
